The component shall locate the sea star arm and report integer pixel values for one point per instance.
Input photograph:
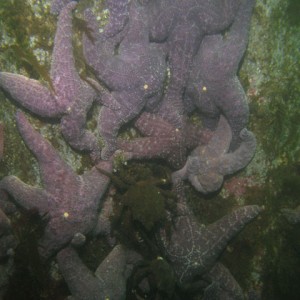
(105, 97)
(82, 283)
(153, 125)
(30, 94)
(73, 128)
(181, 50)
(92, 40)
(98, 50)
(109, 281)
(109, 123)
(235, 42)
(53, 169)
(57, 5)
(219, 233)
(223, 284)
(64, 76)
(118, 17)
(241, 157)
(25, 195)
(220, 141)
(221, 55)
(234, 106)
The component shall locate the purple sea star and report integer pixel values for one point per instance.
(135, 75)
(214, 86)
(109, 281)
(71, 98)
(69, 201)
(207, 165)
(162, 140)
(182, 25)
(193, 248)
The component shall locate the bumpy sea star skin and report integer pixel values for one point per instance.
(69, 201)
(214, 86)
(182, 24)
(135, 75)
(164, 141)
(58, 5)
(193, 248)
(223, 285)
(72, 97)
(118, 17)
(207, 165)
(109, 281)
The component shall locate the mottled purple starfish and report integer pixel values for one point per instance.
(162, 140)
(109, 281)
(182, 25)
(135, 75)
(193, 248)
(69, 201)
(71, 98)
(207, 165)
(214, 87)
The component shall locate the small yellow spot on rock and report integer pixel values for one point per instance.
(66, 215)
(204, 88)
(69, 109)
(146, 86)
(177, 129)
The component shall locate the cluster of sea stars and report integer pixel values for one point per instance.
(130, 60)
